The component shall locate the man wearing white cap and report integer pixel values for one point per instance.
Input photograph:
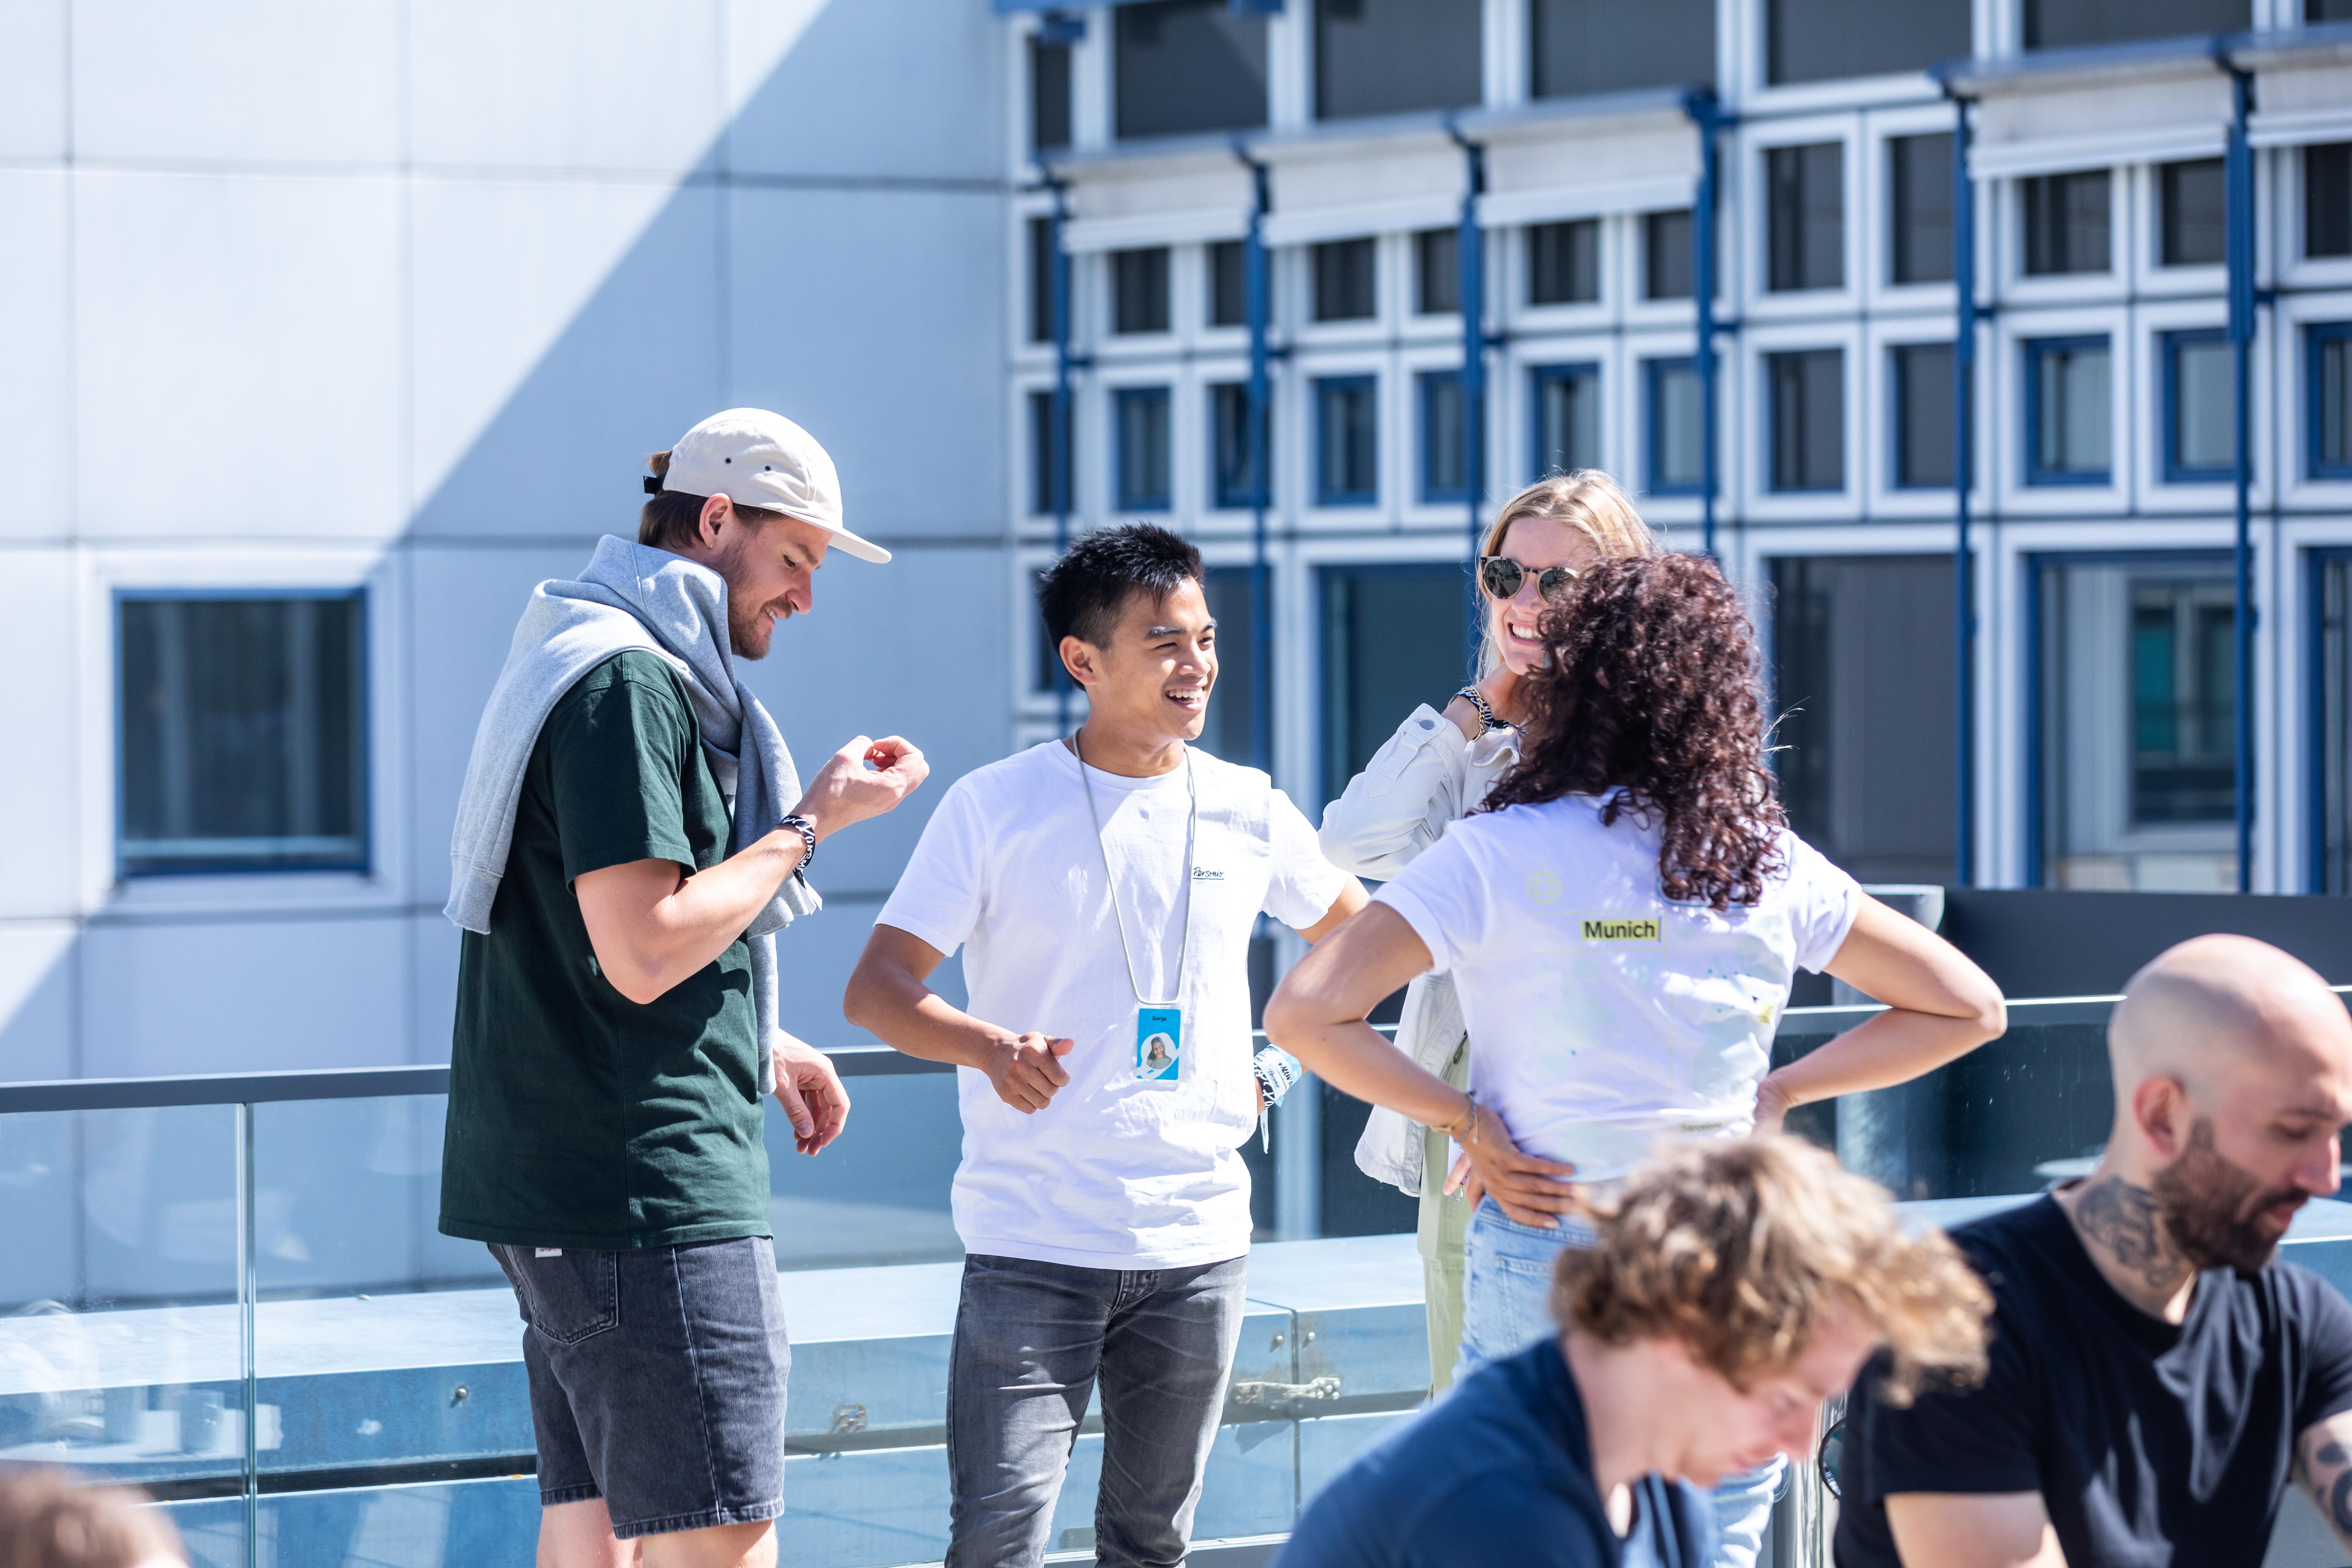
(632, 835)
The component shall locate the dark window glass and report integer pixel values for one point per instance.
(1391, 56)
(1567, 417)
(2201, 400)
(2317, 11)
(1234, 607)
(1677, 438)
(1919, 169)
(1049, 457)
(1807, 196)
(1862, 690)
(1607, 46)
(2333, 836)
(1347, 441)
(1229, 283)
(1437, 271)
(1818, 41)
(2327, 199)
(1666, 254)
(1041, 280)
(1808, 419)
(243, 733)
(1564, 262)
(1444, 452)
(2069, 23)
(2193, 233)
(2330, 400)
(2066, 222)
(1185, 66)
(2068, 412)
(1344, 288)
(1235, 466)
(1138, 289)
(1393, 638)
(1923, 415)
(1049, 94)
(1140, 419)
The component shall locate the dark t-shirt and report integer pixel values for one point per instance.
(1499, 1471)
(2149, 1443)
(578, 1118)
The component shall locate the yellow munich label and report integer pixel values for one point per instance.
(1646, 931)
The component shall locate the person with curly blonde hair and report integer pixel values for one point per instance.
(1728, 1289)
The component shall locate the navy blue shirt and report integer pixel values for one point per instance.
(1498, 1472)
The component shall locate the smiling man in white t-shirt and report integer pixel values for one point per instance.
(1108, 1081)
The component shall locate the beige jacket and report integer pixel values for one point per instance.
(1423, 778)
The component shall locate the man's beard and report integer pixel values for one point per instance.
(2210, 1207)
(745, 633)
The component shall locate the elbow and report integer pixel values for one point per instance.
(636, 982)
(857, 1001)
(1288, 1024)
(1988, 1010)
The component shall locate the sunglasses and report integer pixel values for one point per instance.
(1501, 577)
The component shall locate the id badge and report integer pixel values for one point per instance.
(1158, 1043)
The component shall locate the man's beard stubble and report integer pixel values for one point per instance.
(2208, 1206)
(743, 617)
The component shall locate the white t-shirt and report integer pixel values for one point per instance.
(1602, 1018)
(1115, 1172)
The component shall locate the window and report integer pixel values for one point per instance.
(2327, 199)
(1347, 441)
(1437, 271)
(1041, 280)
(1821, 41)
(1393, 57)
(1806, 190)
(2329, 399)
(2317, 11)
(1445, 448)
(1677, 411)
(2136, 683)
(243, 732)
(1049, 94)
(2067, 412)
(1862, 686)
(1606, 45)
(2332, 830)
(1229, 283)
(2066, 223)
(1808, 393)
(1392, 636)
(1666, 254)
(1141, 422)
(1186, 65)
(1138, 290)
(2193, 233)
(1923, 415)
(1344, 290)
(2201, 428)
(1567, 405)
(1233, 477)
(1564, 262)
(2068, 24)
(1919, 172)
(1049, 457)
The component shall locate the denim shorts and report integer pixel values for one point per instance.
(657, 1380)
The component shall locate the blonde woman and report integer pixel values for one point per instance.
(1435, 770)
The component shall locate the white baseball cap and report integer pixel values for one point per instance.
(756, 458)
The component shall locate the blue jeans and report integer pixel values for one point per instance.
(1506, 1306)
(1031, 1342)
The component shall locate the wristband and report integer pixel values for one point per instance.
(801, 826)
(1276, 1070)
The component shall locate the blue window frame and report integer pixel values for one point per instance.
(1444, 456)
(1806, 434)
(2328, 406)
(1139, 431)
(2328, 726)
(1675, 417)
(1920, 385)
(2200, 400)
(2069, 408)
(1346, 440)
(1564, 418)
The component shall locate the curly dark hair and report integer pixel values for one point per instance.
(1651, 699)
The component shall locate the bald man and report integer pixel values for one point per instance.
(2155, 1375)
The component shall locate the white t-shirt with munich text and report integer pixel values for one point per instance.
(1115, 1172)
(1604, 1020)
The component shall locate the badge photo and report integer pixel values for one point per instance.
(1158, 1043)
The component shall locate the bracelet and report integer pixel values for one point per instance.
(1277, 1071)
(1465, 1129)
(1485, 714)
(801, 826)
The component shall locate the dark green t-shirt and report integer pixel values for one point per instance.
(578, 1118)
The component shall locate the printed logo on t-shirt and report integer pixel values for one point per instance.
(1543, 887)
(1622, 930)
(1207, 874)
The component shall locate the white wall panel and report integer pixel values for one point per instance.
(41, 799)
(433, 1004)
(33, 78)
(900, 87)
(37, 1001)
(35, 389)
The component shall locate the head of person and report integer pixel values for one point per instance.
(47, 1520)
(1568, 520)
(1124, 609)
(1752, 1280)
(1649, 700)
(751, 495)
(2232, 1068)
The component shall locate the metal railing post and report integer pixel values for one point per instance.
(1706, 114)
(2238, 173)
(1964, 613)
(247, 1292)
(1470, 289)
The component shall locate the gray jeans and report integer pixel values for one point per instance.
(1031, 1342)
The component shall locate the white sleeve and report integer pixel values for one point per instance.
(1302, 885)
(1400, 805)
(1823, 903)
(1443, 895)
(941, 892)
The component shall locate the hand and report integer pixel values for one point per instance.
(847, 789)
(1526, 1189)
(1503, 692)
(1026, 1071)
(1772, 1106)
(810, 1091)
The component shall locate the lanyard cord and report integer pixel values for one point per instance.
(1110, 888)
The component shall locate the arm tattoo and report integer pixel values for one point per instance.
(2122, 1218)
(2333, 1493)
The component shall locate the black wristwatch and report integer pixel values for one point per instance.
(800, 824)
